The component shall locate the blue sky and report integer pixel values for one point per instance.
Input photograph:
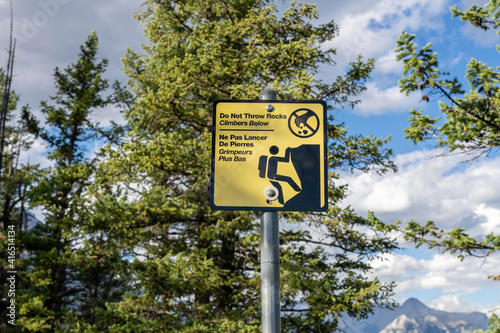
(444, 189)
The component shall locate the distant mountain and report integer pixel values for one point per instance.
(415, 317)
(403, 324)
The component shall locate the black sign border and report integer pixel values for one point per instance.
(325, 154)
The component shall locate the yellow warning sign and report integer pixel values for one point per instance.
(269, 155)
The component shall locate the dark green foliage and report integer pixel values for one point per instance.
(15, 182)
(197, 270)
(72, 268)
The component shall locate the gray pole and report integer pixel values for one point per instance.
(270, 258)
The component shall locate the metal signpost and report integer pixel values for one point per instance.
(270, 156)
(270, 253)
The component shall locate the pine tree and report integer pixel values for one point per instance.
(15, 180)
(195, 269)
(71, 265)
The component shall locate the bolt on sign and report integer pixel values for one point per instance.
(269, 155)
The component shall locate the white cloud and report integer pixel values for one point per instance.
(387, 64)
(479, 36)
(36, 155)
(454, 61)
(393, 265)
(431, 281)
(376, 100)
(492, 218)
(425, 187)
(386, 197)
(459, 281)
(454, 303)
(371, 28)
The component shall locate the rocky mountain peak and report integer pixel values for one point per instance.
(413, 316)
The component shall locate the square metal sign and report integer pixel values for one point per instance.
(269, 155)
